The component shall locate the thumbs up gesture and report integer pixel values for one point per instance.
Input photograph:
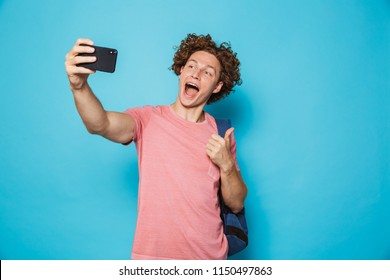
(218, 149)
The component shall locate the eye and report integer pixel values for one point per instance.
(208, 73)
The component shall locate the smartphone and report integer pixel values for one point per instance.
(105, 59)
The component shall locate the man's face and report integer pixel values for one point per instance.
(199, 79)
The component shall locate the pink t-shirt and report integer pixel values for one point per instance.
(178, 209)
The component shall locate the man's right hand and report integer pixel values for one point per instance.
(78, 75)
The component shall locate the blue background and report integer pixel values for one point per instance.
(311, 118)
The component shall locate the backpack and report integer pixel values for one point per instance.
(234, 225)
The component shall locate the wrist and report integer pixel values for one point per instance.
(78, 88)
(228, 167)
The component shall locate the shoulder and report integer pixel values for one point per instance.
(211, 120)
(146, 110)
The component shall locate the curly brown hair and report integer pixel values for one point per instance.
(230, 71)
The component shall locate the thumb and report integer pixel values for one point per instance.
(227, 134)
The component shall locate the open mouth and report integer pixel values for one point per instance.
(191, 89)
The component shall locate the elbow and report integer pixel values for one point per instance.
(93, 130)
(237, 209)
(237, 205)
(96, 130)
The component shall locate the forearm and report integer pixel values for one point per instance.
(90, 109)
(117, 127)
(233, 187)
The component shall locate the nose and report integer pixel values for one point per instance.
(195, 74)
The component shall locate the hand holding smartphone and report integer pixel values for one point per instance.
(105, 59)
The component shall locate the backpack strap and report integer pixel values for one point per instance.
(223, 125)
(234, 225)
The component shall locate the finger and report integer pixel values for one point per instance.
(82, 59)
(74, 70)
(74, 60)
(227, 134)
(83, 70)
(77, 48)
(214, 143)
(83, 49)
(217, 138)
(211, 146)
(210, 153)
(84, 41)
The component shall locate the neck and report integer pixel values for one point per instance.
(190, 114)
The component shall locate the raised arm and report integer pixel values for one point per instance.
(117, 127)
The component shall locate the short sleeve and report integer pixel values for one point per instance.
(141, 117)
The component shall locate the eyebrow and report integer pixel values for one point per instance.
(208, 66)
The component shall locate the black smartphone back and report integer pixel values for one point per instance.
(105, 59)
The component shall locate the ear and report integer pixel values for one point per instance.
(181, 70)
(218, 87)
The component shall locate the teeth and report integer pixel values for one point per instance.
(191, 84)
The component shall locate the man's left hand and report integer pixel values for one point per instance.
(218, 149)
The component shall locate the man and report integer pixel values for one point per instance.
(181, 157)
